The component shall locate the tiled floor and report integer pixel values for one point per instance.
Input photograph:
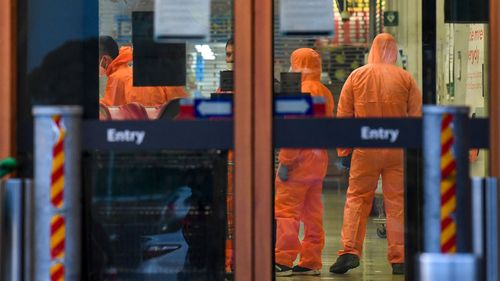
(374, 265)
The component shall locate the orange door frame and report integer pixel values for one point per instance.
(494, 98)
(7, 77)
(253, 140)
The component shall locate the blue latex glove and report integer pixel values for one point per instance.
(283, 172)
(345, 161)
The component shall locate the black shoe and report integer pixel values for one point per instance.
(398, 268)
(344, 263)
(282, 270)
(299, 270)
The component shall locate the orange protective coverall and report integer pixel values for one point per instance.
(120, 89)
(299, 198)
(229, 260)
(378, 89)
(230, 212)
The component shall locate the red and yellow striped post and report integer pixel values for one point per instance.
(448, 187)
(57, 224)
(57, 237)
(57, 272)
(57, 178)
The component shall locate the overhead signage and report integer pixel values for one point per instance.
(299, 105)
(291, 133)
(155, 63)
(209, 108)
(131, 136)
(368, 133)
(467, 11)
(311, 17)
(391, 18)
(181, 20)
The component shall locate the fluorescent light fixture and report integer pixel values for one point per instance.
(205, 51)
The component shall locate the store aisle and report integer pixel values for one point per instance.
(374, 265)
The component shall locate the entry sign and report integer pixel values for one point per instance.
(209, 108)
(391, 18)
(181, 20)
(306, 17)
(299, 105)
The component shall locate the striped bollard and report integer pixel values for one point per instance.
(448, 252)
(447, 195)
(448, 187)
(57, 224)
(57, 233)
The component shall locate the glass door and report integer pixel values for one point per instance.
(341, 181)
(273, 144)
(157, 131)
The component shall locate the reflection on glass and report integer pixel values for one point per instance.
(141, 79)
(158, 216)
(162, 215)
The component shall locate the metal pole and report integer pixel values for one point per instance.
(491, 229)
(494, 89)
(12, 230)
(478, 216)
(29, 242)
(432, 122)
(478, 224)
(448, 267)
(57, 196)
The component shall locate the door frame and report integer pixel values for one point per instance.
(253, 126)
(8, 70)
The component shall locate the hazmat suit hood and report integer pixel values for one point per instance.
(308, 62)
(384, 50)
(123, 58)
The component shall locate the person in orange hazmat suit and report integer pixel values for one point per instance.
(378, 89)
(229, 264)
(299, 183)
(119, 87)
(229, 259)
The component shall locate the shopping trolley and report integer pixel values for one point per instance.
(380, 220)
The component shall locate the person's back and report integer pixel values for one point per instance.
(308, 62)
(313, 161)
(379, 89)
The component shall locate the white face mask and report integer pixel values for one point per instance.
(102, 70)
(103, 80)
(229, 65)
